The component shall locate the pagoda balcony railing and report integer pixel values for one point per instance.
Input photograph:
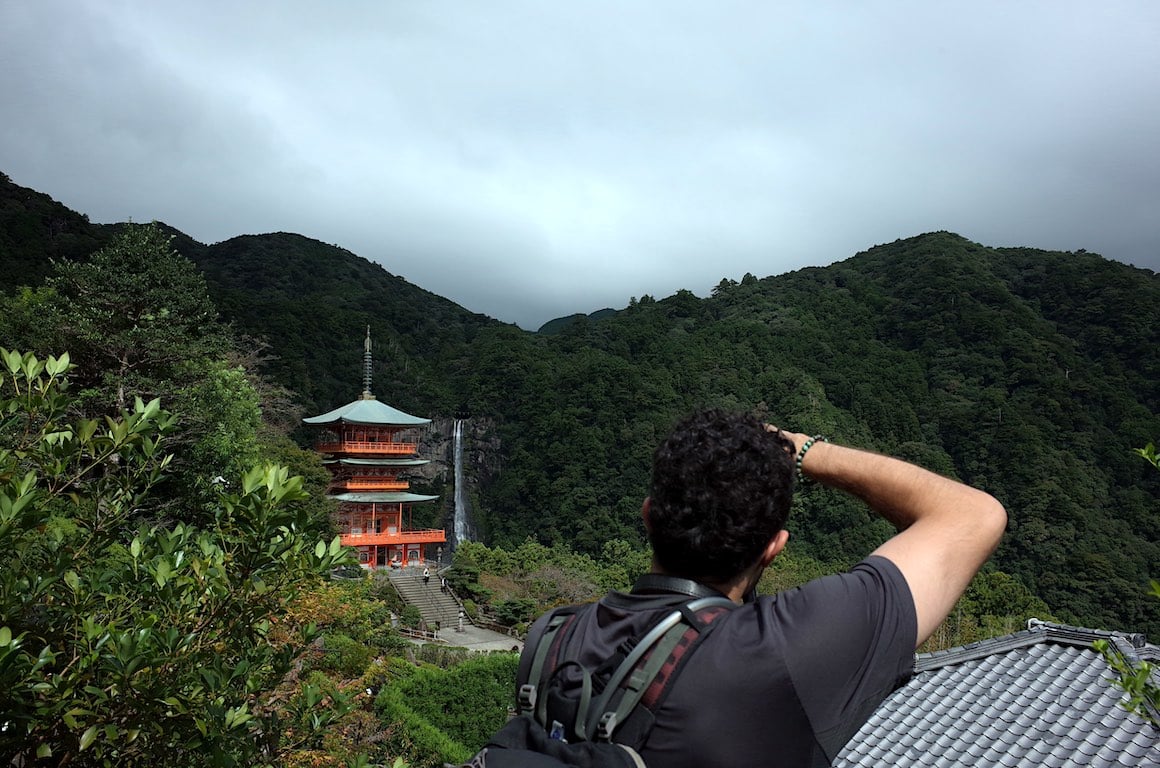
(366, 447)
(374, 485)
(436, 536)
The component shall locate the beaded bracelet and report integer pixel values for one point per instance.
(801, 455)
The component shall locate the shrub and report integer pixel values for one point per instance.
(122, 644)
(345, 656)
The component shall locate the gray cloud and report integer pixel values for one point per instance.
(529, 160)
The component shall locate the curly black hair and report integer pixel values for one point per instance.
(722, 486)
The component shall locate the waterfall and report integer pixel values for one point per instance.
(462, 529)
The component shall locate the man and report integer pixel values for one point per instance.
(784, 680)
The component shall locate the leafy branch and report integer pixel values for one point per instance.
(1136, 679)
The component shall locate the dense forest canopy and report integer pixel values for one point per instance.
(1030, 373)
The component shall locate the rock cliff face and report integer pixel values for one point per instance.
(481, 459)
(480, 450)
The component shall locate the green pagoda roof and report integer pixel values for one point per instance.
(368, 411)
(386, 497)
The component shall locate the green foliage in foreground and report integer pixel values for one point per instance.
(1149, 454)
(444, 715)
(129, 645)
(1136, 679)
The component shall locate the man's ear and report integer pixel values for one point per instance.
(774, 547)
(644, 508)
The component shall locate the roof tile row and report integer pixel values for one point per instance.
(1041, 697)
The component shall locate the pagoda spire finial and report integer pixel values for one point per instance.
(366, 393)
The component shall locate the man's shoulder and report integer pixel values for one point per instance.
(850, 604)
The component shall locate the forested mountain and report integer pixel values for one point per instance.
(313, 303)
(1029, 373)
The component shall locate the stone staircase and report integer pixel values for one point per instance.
(434, 604)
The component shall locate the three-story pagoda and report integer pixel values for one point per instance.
(366, 445)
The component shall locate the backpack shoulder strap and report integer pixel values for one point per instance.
(699, 624)
(665, 645)
(545, 652)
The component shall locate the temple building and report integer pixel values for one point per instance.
(366, 444)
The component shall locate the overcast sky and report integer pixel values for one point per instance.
(534, 159)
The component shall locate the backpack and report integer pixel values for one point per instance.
(596, 718)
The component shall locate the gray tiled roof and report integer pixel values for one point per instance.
(1040, 697)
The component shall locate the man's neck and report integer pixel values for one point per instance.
(735, 590)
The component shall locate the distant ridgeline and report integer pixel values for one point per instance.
(1029, 373)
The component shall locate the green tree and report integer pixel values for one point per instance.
(134, 315)
(138, 320)
(126, 645)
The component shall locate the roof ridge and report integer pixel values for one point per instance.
(1037, 632)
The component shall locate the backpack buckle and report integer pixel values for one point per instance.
(527, 697)
(606, 726)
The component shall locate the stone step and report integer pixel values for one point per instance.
(434, 604)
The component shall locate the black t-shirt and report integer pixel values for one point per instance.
(783, 681)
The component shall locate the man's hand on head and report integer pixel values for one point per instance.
(797, 438)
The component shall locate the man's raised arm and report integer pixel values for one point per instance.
(946, 530)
